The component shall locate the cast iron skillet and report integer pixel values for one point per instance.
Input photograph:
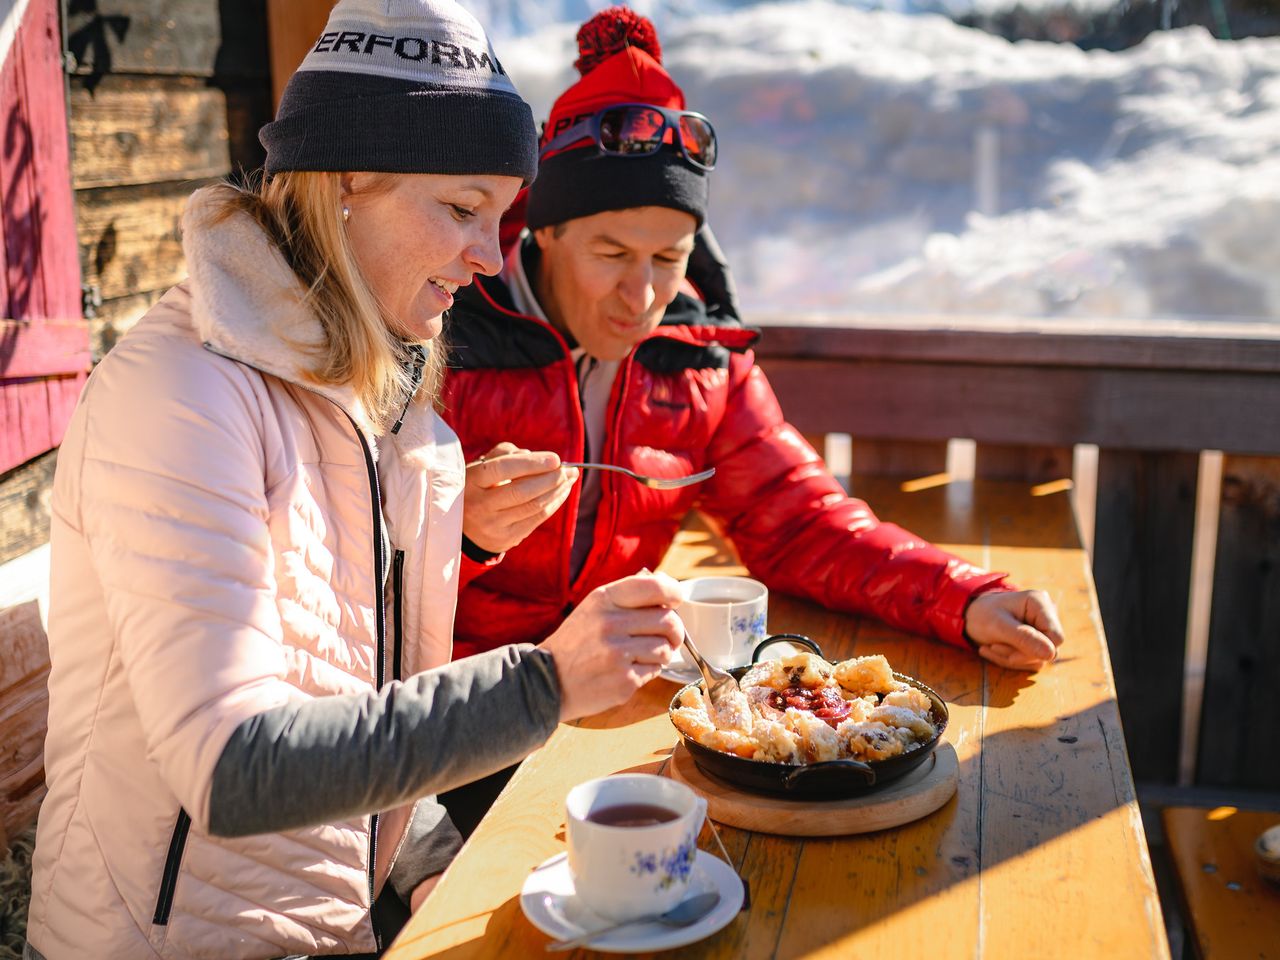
(828, 780)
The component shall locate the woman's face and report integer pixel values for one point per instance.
(419, 237)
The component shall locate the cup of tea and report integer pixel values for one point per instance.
(632, 843)
(726, 616)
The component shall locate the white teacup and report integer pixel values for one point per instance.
(726, 616)
(624, 872)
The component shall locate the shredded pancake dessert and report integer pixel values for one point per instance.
(802, 709)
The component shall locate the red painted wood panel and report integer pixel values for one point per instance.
(47, 347)
(41, 363)
(35, 413)
(35, 172)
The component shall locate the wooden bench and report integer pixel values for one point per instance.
(1230, 912)
(24, 713)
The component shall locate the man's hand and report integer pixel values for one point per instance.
(1016, 630)
(615, 642)
(510, 492)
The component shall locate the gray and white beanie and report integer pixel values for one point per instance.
(402, 86)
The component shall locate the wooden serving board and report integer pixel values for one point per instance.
(916, 795)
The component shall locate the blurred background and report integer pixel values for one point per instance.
(1034, 159)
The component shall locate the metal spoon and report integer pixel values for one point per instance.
(657, 483)
(717, 682)
(683, 914)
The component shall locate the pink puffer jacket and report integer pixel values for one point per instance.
(213, 557)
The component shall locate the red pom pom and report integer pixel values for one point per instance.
(611, 31)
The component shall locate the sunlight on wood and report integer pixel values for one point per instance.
(1204, 549)
(925, 483)
(1221, 813)
(1053, 486)
(1032, 912)
(1018, 902)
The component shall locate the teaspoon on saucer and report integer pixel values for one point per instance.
(683, 914)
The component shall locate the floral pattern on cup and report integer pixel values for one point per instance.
(750, 626)
(673, 866)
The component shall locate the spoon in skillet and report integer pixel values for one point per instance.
(717, 682)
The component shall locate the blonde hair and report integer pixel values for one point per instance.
(301, 212)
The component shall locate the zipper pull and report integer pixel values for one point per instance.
(417, 360)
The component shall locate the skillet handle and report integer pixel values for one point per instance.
(787, 638)
(794, 777)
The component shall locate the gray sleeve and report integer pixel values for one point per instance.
(327, 759)
(430, 844)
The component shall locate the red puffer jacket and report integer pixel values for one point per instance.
(687, 398)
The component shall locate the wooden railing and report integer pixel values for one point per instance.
(1153, 398)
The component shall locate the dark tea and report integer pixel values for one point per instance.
(632, 815)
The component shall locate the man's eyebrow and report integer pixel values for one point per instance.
(605, 238)
(679, 247)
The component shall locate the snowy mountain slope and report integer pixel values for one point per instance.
(878, 161)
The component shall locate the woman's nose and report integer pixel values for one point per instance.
(485, 254)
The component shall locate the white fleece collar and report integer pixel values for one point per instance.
(248, 304)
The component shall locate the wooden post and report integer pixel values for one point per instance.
(292, 27)
(1142, 568)
(1242, 682)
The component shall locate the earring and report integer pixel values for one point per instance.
(346, 213)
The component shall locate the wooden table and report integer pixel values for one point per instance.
(1041, 854)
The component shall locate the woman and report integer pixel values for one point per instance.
(256, 526)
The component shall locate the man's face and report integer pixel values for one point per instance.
(607, 279)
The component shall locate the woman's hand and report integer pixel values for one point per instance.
(1016, 630)
(615, 642)
(510, 492)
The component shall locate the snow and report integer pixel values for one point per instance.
(877, 161)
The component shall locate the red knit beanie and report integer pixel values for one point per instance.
(620, 61)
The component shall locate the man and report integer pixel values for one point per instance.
(590, 346)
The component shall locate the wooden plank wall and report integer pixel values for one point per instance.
(166, 95)
(1142, 565)
(1241, 710)
(24, 506)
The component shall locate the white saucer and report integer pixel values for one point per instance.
(677, 671)
(549, 902)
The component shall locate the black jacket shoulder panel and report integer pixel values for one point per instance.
(664, 355)
(481, 336)
(672, 356)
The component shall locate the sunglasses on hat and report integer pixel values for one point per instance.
(639, 130)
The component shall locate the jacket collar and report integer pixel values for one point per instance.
(248, 304)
